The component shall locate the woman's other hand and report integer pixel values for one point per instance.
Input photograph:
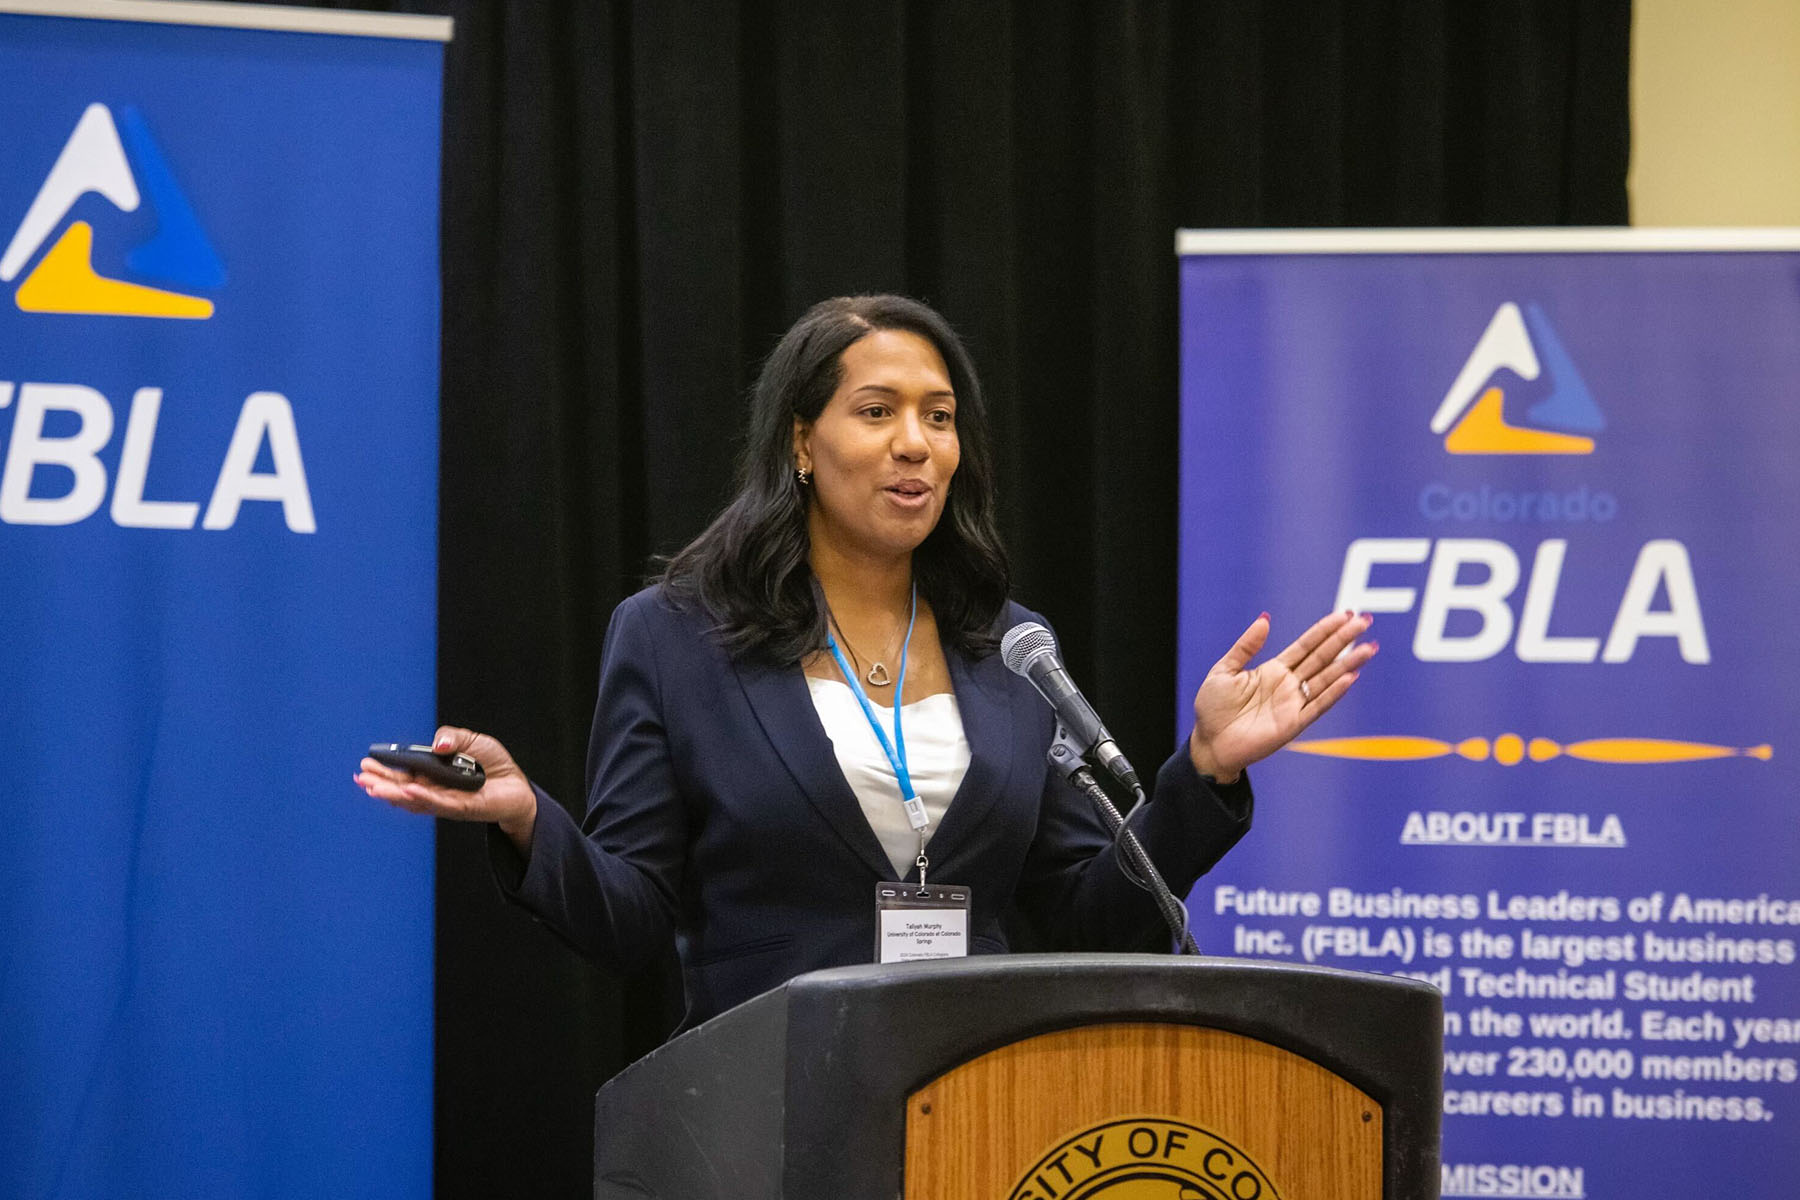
(506, 799)
(1243, 715)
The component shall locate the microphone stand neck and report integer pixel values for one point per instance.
(1065, 758)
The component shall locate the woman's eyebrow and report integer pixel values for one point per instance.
(885, 390)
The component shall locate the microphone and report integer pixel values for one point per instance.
(1028, 649)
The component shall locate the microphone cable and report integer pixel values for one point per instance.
(1134, 861)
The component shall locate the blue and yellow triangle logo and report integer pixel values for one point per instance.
(1472, 416)
(177, 256)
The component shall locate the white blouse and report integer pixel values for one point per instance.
(937, 756)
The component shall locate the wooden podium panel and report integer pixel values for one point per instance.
(1044, 1077)
(1141, 1112)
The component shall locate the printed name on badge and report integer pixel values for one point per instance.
(915, 923)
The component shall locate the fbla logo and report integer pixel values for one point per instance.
(177, 255)
(1472, 416)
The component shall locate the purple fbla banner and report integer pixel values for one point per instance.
(1558, 468)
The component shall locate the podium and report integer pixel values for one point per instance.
(1041, 1077)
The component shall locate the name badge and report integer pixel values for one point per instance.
(915, 923)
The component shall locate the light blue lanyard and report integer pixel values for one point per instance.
(896, 749)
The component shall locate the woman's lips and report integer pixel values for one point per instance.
(908, 495)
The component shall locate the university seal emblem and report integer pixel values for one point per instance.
(1144, 1158)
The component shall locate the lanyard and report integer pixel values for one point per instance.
(896, 749)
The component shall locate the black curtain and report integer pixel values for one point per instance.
(639, 198)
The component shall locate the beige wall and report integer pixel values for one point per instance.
(1715, 110)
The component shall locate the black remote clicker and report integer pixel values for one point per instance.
(457, 771)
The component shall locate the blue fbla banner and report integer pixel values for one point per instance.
(1558, 468)
(218, 498)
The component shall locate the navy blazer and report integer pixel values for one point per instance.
(717, 815)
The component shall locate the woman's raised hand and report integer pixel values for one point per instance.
(506, 799)
(1243, 715)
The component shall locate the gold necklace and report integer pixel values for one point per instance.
(878, 672)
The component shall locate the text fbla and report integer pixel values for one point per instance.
(1511, 828)
(266, 417)
(1661, 564)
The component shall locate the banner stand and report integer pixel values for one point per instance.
(1557, 467)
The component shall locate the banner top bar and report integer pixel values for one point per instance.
(1564, 240)
(242, 16)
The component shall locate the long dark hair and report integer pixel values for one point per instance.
(749, 569)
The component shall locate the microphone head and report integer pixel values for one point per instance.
(1023, 644)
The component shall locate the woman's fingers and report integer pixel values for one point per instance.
(452, 739)
(401, 790)
(1328, 651)
(379, 770)
(383, 784)
(1296, 651)
(506, 796)
(1321, 681)
(1323, 700)
(486, 750)
(1246, 647)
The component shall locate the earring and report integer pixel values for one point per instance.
(803, 474)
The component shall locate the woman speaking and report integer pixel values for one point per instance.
(809, 703)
